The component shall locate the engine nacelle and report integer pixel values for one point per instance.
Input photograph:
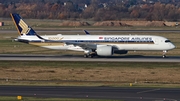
(104, 51)
(120, 51)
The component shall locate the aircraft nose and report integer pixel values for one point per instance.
(172, 46)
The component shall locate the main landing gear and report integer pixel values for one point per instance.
(164, 53)
(89, 53)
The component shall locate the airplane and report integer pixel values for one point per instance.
(92, 45)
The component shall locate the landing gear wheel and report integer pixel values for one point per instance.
(164, 54)
(91, 56)
(85, 55)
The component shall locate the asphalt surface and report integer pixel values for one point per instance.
(126, 58)
(126, 94)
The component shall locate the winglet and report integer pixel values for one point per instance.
(87, 33)
(21, 26)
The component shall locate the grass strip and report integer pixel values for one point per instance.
(11, 98)
(89, 73)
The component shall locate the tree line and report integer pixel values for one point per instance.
(98, 10)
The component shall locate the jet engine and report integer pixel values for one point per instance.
(104, 50)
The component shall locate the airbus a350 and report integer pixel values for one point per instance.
(92, 45)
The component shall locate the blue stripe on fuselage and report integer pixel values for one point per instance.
(95, 41)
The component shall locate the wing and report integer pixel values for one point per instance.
(84, 45)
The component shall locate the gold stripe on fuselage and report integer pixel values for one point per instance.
(47, 43)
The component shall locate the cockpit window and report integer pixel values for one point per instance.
(167, 41)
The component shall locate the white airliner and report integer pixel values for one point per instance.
(92, 45)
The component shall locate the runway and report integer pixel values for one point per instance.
(126, 58)
(113, 93)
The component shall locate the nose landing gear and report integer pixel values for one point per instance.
(164, 53)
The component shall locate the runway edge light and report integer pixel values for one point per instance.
(19, 97)
(130, 84)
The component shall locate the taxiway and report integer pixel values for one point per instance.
(114, 93)
(127, 58)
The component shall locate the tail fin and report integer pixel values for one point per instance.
(21, 26)
(87, 33)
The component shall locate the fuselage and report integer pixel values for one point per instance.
(121, 42)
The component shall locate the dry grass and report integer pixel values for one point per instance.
(105, 73)
(122, 75)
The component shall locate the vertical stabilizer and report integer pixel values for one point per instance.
(22, 27)
(87, 33)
